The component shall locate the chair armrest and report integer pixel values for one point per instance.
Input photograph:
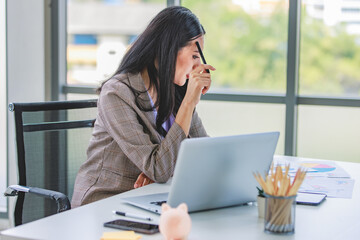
(61, 199)
(14, 189)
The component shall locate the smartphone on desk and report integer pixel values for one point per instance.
(139, 227)
(312, 199)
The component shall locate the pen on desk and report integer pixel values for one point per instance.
(201, 55)
(133, 215)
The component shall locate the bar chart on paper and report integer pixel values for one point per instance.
(318, 167)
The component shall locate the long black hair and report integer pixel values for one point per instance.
(170, 30)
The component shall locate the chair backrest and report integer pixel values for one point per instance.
(51, 138)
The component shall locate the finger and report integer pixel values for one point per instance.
(139, 181)
(150, 180)
(208, 66)
(137, 184)
(201, 81)
(205, 89)
(143, 182)
(203, 67)
(201, 74)
(198, 77)
(147, 181)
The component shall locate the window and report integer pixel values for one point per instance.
(229, 118)
(330, 49)
(329, 70)
(99, 33)
(269, 76)
(328, 132)
(246, 41)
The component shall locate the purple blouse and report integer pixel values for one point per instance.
(168, 123)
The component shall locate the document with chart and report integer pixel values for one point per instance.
(323, 177)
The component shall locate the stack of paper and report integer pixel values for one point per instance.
(125, 235)
(323, 177)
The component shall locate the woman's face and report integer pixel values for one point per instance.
(187, 59)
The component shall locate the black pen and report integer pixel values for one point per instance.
(133, 215)
(201, 55)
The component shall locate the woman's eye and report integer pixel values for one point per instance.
(195, 57)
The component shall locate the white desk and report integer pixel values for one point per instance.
(334, 219)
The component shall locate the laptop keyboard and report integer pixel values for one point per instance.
(158, 203)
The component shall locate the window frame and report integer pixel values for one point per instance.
(291, 98)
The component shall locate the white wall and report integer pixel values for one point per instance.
(26, 65)
(3, 109)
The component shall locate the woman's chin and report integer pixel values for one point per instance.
(180, 84)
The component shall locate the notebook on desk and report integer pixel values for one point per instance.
(215, 172)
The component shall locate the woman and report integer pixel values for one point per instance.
(146, 109)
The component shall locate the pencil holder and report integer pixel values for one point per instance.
(280, 214)
(261, 206)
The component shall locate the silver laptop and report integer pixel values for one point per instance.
(215, 172)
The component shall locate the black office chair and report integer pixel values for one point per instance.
(51, 139)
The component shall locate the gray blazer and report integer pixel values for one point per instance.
(125, 143)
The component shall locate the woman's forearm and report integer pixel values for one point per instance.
(184, 116)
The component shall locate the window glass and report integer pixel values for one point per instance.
(99, 32)
(76, 96)
(246, 41)
(230, 118)
(330, 48)
(329, 133)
